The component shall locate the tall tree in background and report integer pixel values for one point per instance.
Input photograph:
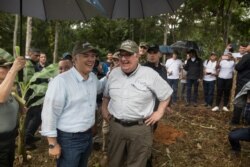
(28, 34)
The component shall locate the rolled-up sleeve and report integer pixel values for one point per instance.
(54, 102)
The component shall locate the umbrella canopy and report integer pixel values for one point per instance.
(165, 49)
(138, 8)
(52, 9)
(184, 46)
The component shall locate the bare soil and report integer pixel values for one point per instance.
(189, 137)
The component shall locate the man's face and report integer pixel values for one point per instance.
(3, 73)
(153, 57)
(84, 62)
(42, 58)
(143, 50)
(109, 57)
(242, 50)
(174, 56)
(128, 61)
(213, 57)
(34, 56)
(64, 65)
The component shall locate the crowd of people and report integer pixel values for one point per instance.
(132, 89)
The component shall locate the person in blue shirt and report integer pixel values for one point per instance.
(69, 109)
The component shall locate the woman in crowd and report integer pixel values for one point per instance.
(209, 79)
(9, 108)
(225, 67)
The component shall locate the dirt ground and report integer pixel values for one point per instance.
(189, 137)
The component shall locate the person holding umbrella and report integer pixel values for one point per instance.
(9, 107)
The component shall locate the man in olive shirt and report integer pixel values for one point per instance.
(128, 103)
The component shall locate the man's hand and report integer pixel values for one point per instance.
(18, 64)
(155, 117)
(55, 152)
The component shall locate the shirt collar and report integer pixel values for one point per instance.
(137, 68)
(78, 76)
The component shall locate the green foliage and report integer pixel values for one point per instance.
(211, 23)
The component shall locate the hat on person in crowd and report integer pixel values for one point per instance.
(115, 55)
(6, 58)
(83, 48)
(66, 56)
(129, 46)
(153, 48)
(144, 44)
(212, 54)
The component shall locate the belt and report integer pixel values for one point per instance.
(129, 122)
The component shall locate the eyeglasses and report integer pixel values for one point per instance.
(125, 54)
(143, 47)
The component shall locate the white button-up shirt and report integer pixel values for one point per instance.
(133, 97)
(70, 103)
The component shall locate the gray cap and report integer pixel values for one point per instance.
(6, 58)
(83, 48)
(129, 46)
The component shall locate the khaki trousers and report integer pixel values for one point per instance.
(129, 146)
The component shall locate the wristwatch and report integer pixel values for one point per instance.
(51, 146)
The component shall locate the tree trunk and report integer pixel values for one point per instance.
(165, 36)
(15, 35)
(55, 53)
(28, 35)
(21, 152)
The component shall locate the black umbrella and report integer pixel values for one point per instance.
(138, 8)
(184, 46)
(50, 10)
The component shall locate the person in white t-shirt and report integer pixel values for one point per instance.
(173, 66)
(225, 79)
(209, 79)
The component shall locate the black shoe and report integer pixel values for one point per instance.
(30, 147)
(187, 104)
(205, 105)
(195, 104)
(35, 139)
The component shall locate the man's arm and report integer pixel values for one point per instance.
(157, 115)
(242, 64)
(105, 113)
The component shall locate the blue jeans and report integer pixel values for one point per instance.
(76, 148)
(237, 135)
(192, 83)
(208, 87)
(174, 85)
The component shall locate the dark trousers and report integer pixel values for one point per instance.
(32, 122)
(237, 110)
(174, 85)
(192, 83)
(237, 135)
(7, 148)
(208, 87)
(76, 148)
(224, 87)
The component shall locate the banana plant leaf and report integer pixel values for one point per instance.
(47, 73)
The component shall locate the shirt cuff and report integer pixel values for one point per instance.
(49, 133)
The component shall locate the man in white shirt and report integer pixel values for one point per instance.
(128, 103)
(173, 66)
(69, 109)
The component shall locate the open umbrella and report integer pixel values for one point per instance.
(138, 8)
(185, 45)
(50, 10)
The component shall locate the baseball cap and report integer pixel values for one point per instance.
(116, 55)
(83, 48)
(66, 56)
(144, 44)
(129, 46)
(153, 48)
(6, 58)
